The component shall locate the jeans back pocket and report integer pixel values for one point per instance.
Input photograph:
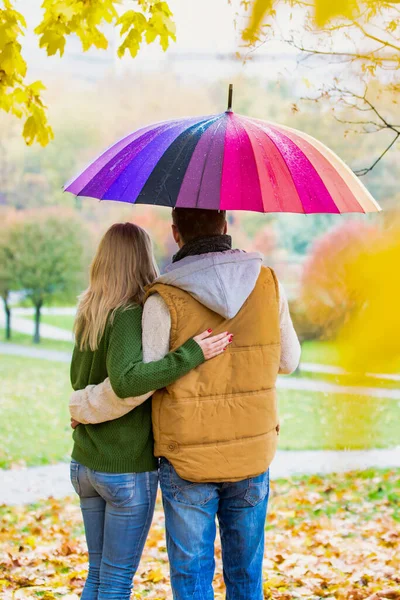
(183, 491)
(118, 489)
(258, 489)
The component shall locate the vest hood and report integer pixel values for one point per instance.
(221, 281)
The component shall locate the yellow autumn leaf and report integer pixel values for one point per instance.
(64, 9)
(31, 541)
(11, 60)
(275, 582)
(53, 42)
(36, 87)
(326, 10)
(259, 12)
(154, 576)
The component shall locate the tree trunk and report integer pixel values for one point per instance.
(36, 335)
(7, 310)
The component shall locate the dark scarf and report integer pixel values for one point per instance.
(204, 245)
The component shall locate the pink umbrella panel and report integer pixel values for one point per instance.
(225, 162)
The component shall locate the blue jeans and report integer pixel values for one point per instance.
(191, 510)
(117, 511)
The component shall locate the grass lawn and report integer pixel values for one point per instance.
(62, 321)
(325, 353)
(34, 419)
(45, 344)
(315, 420)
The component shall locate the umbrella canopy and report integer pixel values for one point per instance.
(225, 162)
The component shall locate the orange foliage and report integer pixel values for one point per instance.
(328, 294)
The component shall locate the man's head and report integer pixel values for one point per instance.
(191, 223)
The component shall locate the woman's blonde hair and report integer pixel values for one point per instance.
(122, 267)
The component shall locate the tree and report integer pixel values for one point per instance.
(363, 36)
(328, 296)
(62, 18)
(7, 274)
(49, 250)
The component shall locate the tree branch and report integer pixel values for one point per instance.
(363, 172)
(374, 38)
(332, 53)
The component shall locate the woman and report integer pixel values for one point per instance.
(113, 469)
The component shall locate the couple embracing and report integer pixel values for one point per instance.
(175, 382)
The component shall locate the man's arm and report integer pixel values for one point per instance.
(156, 329)
(99, 403)
(290, 345)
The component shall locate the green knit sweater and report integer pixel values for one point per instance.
(125, 445)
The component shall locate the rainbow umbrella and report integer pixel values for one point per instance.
(225, 162)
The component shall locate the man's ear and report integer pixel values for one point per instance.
(176, 236)
(226, 228)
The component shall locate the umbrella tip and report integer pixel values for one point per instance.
(230, 95)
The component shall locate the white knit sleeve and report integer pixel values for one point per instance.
(290, 345)
(99, 403)
(156, 328)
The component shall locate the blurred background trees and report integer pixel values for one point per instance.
(327, 291)
(45, 256)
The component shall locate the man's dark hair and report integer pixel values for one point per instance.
(194, 223)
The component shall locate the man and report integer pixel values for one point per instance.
(216, 428)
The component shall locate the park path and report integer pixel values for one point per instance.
(22, 486)
(27, 326)
(286, 383)
(31, 352)
(23, 325)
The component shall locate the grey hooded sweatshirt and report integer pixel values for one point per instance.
(221, 281)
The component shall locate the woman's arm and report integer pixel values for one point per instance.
(129, 376)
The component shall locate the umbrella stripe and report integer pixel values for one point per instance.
(163, 185)
(130, 181)
(77, 184)
(338, 189)
(240, 185)
(278, 190)
(112, 180)
(360, 192)
(109, 173)
(202, 182)
(313, 193)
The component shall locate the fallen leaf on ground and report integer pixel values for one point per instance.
(335, 537)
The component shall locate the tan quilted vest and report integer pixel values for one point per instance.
(220, 422)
